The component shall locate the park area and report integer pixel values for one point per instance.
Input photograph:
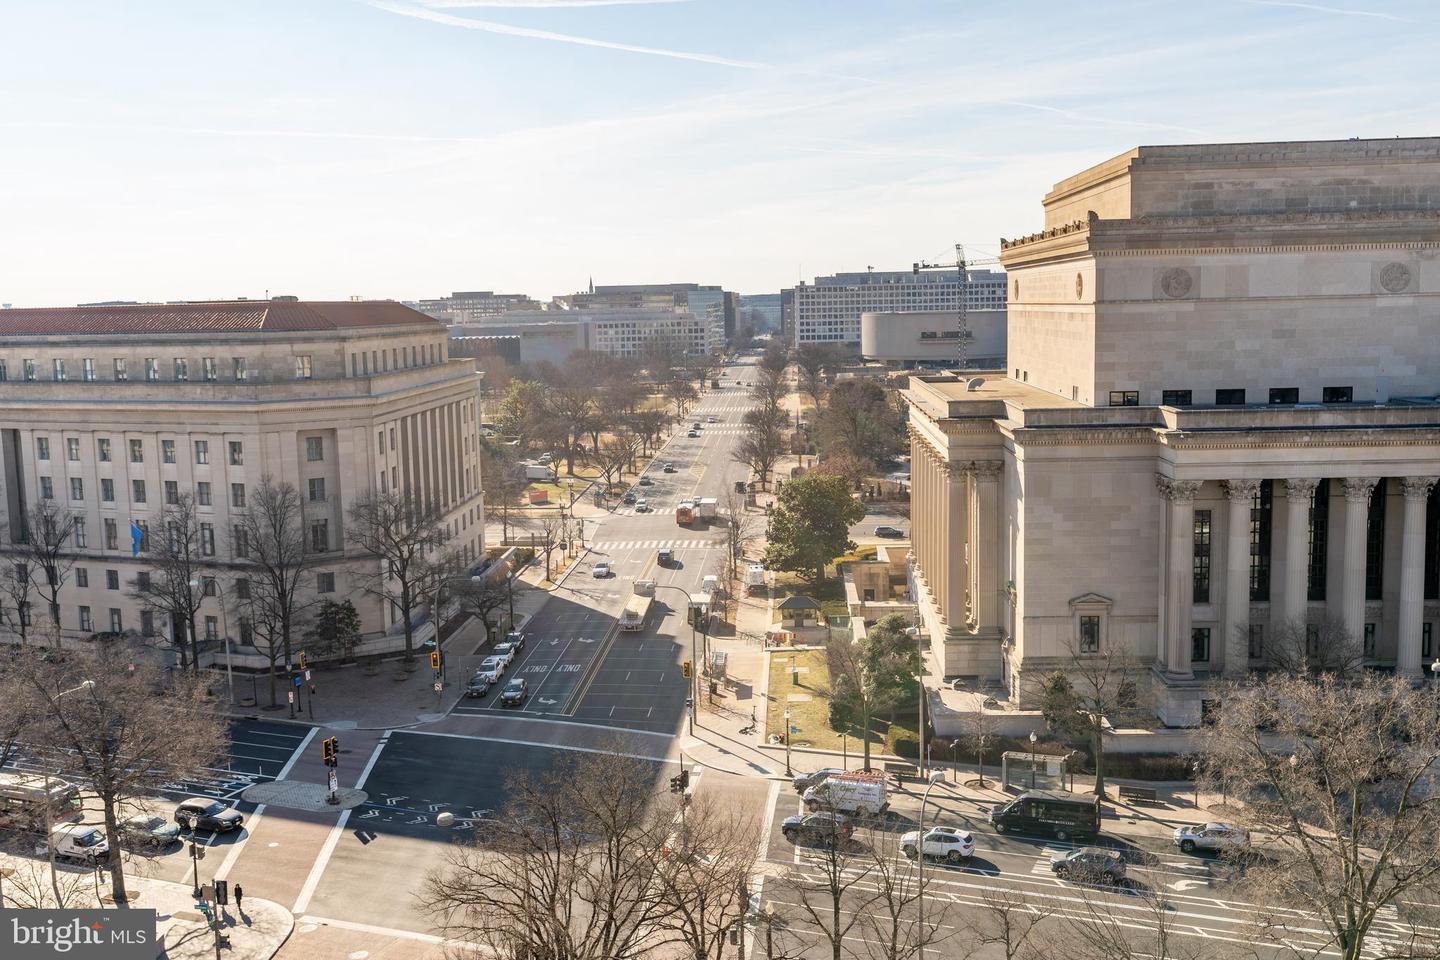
(800, 679)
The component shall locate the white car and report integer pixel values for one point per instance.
(491, 668)
(944, 843)
(601, 569)
(1216, 837)
(505, 653)
(712, 419)
(642, 506)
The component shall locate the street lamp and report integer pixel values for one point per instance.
(1033, 738)
(935, 777)
(921, 746)
(787, 743)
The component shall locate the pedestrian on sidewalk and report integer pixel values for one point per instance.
(240, 900)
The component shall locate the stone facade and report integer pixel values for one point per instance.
(1219, 423)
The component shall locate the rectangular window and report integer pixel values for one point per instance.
(137, 451)
(1369, 650)
(1229, 398)
(167, 451)
(1089, 634)
(319, 535)
(202, 451)
(107, 490)
(147, 622)
(302, 366)
(247, 633)
(29, 366)
(144, 527)
(42, 448)
(82, 577)
(207, 539)
(1201, 563)
(1257, 641)
(87, 369)
(1284, 395)
(1375, 544)
(1124, 398)
(317, 489)
(1175, 398)
(202, 493)
(1432, 544)
(392, 438)
(207, 368)
(380, 441)
(102, 447)
(72, 448)
(152, 368)
(212, 628)
(237, 364)
(142, 580)
(242, 588)
(77, 488)
(117, 623)
(324, 583)
(172, 492)
(241, 542)
(87, 623)
(118, 369)
(81, 534)
(47, 488)
(112, 579)
(137, 491)
(182, 368)
(1337, 394)
(210, 586)
(1319, 540)
(1200, 645)
(112, 537)
(237, 494)
(314, 448)
(4, 371)
(237, 453)
(57, 367)
(1260, 517)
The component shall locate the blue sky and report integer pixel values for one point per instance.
(406, 148)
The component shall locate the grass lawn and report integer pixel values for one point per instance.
(809, 705)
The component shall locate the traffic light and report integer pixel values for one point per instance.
(677, 783)
(434, 659)
(684, 780)
(302, 659)
(222, 892)
(685, 670)
(330, 751)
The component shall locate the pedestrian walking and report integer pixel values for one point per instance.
(239, 899)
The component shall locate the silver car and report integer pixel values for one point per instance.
(1215, 837)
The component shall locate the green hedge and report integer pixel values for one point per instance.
(1128, 766)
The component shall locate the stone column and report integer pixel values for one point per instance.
(1412, 577)
(1352, 579)
(942, 539)
(987, 559)
(1295, 592)
(1178, 563)
(972, 550)
(957, 534)
(1240, 495)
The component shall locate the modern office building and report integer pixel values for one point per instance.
(115, 412)
(552, 335)
(933, 339)
(828, 310)
(712, 305)
(475, 306)
(760, 312)
(1218, 429)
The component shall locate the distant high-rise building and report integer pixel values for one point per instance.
(475, 305)
(713, 306)
(760, 312)
(828, 311)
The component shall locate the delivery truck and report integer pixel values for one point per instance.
(707, 509)
(538, 471)
(858, 794)
(633, 616)
(754, 579)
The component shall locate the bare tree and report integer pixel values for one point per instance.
(503, 485)
(118, 736)
(1139, 924)
(980, 735)
(614, 454)
(810, 362)
(279, 556)
(891, 928)
(1010, 924)
(762, 444)
(650, 426)
(44, 544)
(1347, 773)
(739, 528)
(703, 874)
(833, 890)
(770, 389)
(484, 599)
(401, 532)
(1300, 648)
(173, 584)
(1097, 685)
(552, 527)
(567, 868)
(17, 587)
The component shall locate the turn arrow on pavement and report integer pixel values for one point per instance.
(391, 801)
(548, 702)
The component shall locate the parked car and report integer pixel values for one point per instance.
(945, 843)
(492, 668)
(545, 458)
(506, 652)
(514, 693)
(669, 467)
(695, 425)
(693, 433)
(1055, 813)
(1089, 865)
(629, 498)
(148, 831)
(645, 481)
(804, 781)
(642, 506)
(1215, 837)
(478, 686)
(885, 530)
(821, 828)
(207, 813)
(81, 842)
(517, 638)
(665, 557)
(601, 569)
(712, 419)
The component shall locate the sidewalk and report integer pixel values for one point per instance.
(180, 930)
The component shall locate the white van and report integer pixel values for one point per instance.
(861, 794)
(84, 842)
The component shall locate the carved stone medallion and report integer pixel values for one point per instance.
(1394, 277)
(1176, 282)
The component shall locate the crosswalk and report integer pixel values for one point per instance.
(607, 545)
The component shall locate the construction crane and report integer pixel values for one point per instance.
(962, 268)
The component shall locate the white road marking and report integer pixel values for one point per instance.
(254, 819)
(326, 851)
(370, 928)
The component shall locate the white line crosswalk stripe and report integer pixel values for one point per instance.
(655, 544)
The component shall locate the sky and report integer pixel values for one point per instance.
(203, 149)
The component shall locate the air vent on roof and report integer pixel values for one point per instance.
(974, 383)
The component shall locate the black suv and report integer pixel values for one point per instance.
(817, 828)
(205, 813)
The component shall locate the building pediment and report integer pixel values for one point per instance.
(1090, 600)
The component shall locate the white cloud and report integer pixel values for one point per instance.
(1318, 8)
(540, 4)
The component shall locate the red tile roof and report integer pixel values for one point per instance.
(231, 316)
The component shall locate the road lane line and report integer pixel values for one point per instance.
(379, 931)
(552, 746)
(323, 860)
(254, 818)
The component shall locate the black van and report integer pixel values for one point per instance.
(1049, 813)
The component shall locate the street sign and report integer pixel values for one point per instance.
(334, 781)
(307, 675)
(290, 695)
(297, 680)
(439, 686)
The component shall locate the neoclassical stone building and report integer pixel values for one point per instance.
(1220, 423)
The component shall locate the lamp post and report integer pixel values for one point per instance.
(1033, 738)
(787, 743)
(1435, 672)
(935, 777)
(920, 747)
